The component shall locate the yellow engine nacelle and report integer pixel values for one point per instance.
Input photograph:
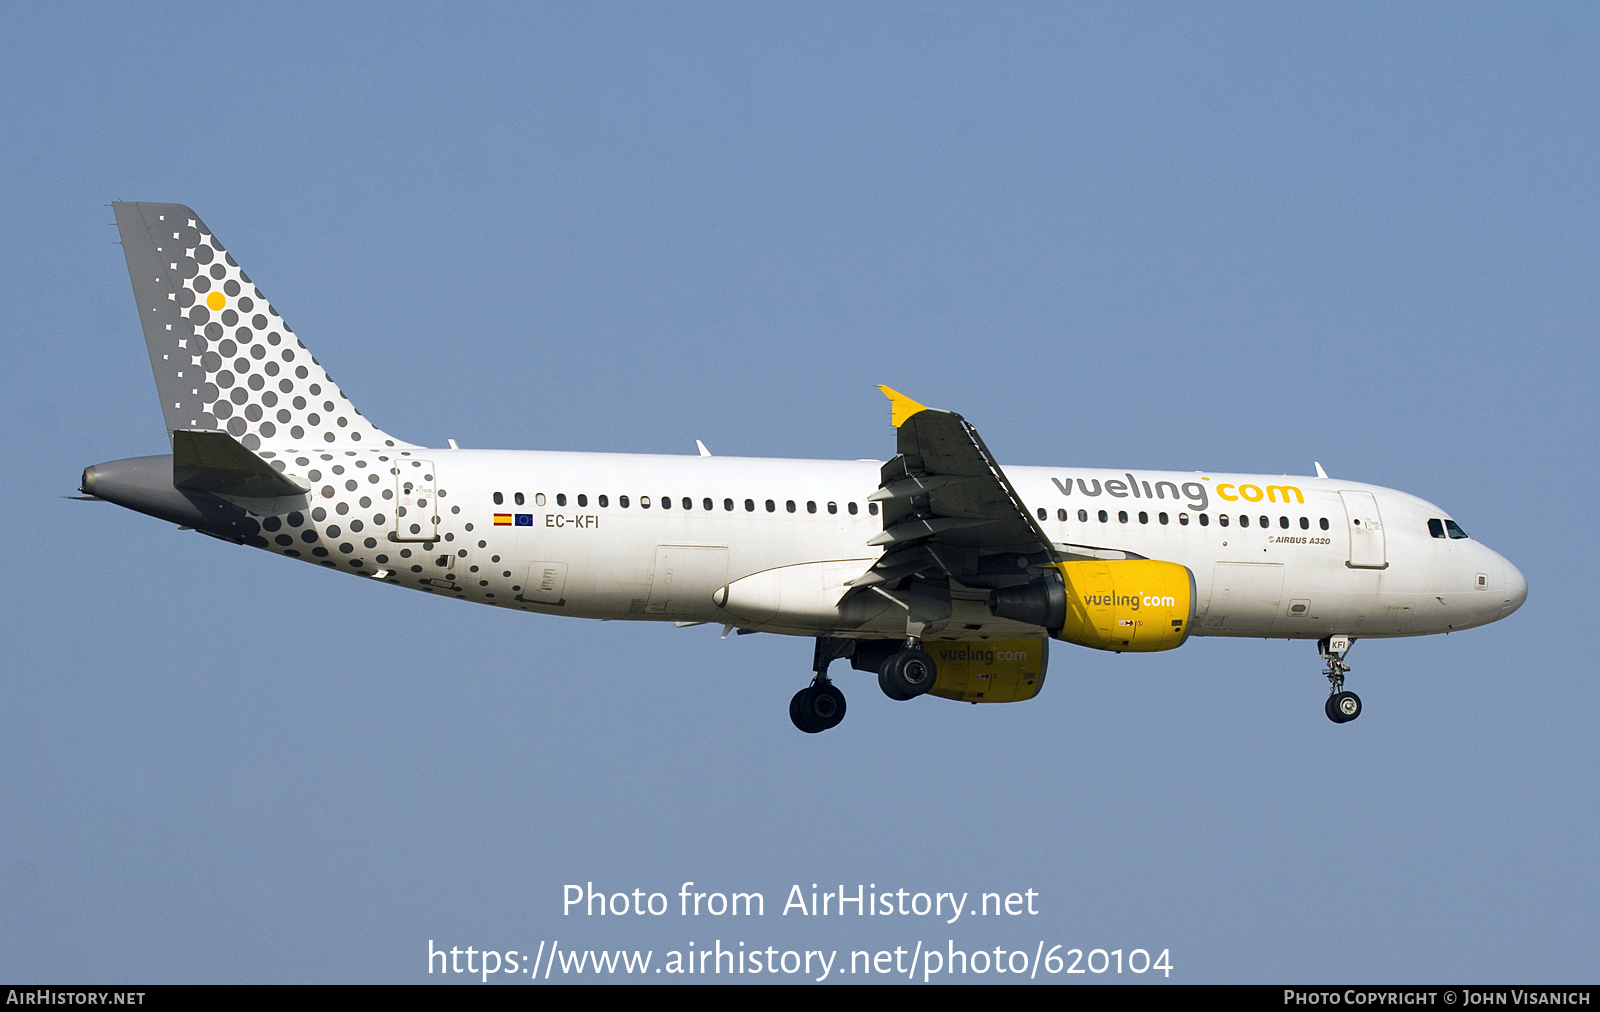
(1127, 604)
(988, 671)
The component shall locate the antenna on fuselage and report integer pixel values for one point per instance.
(1320, 472)
(703, 451)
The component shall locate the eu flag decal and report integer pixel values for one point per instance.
(524, 519)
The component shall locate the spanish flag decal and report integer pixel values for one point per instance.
(502, 519)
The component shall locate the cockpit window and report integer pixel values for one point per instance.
(1436, 528)
(1454, 529)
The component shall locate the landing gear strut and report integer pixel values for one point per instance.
(1341, 706)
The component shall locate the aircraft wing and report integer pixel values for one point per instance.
(951, 519)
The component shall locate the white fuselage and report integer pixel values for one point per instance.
(1272, 556)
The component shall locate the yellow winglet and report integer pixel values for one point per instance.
(901, 407)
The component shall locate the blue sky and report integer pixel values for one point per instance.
(1233, 237)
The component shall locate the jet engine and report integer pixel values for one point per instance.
(1122, 604)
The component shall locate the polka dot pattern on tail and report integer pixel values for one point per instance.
(223, 356)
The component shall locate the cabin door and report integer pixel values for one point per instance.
(416, 515)
(1365, 527)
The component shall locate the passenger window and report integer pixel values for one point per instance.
(1122, 516)
(644, 502)
(1162, 517)
(1454, 529)
(833, 507)
(688, 503)
(499, 499)
(1222, 519)
(1083, 516)
(517, 498)
(1103, 517)
(1244, 521)
(538, 498)
(666, 502)
(604, 502)
(1305, 525)
(727, 504)
(561, 498)
(1266, 521)
(1205, 520)
(1436, 528)
(789, 505)
(583, 500)
(1061, 515)
(1144, 517)
(1283, 522)
(772, 507)
(749, 505)
(622, 501)
(811, 507)
(1042, 514)
(852, 509)
(1324, 522)
(872, 508)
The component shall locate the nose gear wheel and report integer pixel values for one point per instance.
(1342, 707)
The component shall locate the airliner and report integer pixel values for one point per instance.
(939, 570)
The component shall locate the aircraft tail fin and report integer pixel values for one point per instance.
(223, 358)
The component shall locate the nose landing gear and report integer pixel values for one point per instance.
(1341, 706)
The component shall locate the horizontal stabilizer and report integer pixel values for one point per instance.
(213, 461)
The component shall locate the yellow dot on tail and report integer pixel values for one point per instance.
(215, 300)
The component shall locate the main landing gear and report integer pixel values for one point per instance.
(907, 674)
(817, 707)
(904, 672)
(1341, 706)
(820, 705)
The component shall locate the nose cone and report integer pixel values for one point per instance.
(1516, 592)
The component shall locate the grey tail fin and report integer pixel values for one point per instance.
(223, 358)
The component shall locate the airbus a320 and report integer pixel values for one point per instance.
(939, 570)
